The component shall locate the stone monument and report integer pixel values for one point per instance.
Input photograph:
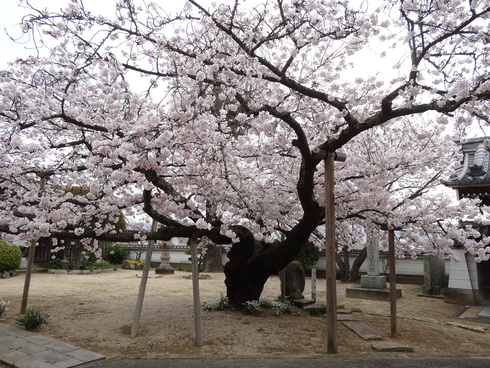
(293, 284)
(373, 280)
(373, 285)
(294, 280)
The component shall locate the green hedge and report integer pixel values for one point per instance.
(10, 257)
(116, 253)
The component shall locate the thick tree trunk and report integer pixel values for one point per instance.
(354, 272)
(343, 264)
(246, 273)
(213, 262)
(342, 269)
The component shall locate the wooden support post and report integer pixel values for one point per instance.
(391, 256)
(144, 279)
(30, 257)
(27, 281)
(195, 290)
(330, 252)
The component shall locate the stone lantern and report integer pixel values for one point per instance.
(165, 268)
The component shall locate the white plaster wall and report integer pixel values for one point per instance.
(459, 277)
(472, 271)
(404, 266)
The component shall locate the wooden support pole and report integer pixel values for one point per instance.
(30, 257)
(144, 279)
(27, 281)
(330, 252)
(391, 256)
(195, 291)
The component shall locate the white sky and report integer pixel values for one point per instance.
(11, 15)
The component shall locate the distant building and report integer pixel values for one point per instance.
(469, 282)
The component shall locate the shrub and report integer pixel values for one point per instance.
(101, 263)
(222, 304)
(266, 303)
(252, 308)
(3, 307)
(33, 319)
(89, 261)
(10, 256)
(284, 308)
(116, 253)
(278, 307)
(308, 255)
(55, 264)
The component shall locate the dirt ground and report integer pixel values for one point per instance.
(95, 312)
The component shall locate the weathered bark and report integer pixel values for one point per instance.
(354, 272)
(343, 264)
(213, 262)
(242, 284)
(246, 272)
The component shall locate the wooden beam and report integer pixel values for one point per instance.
(320, 154)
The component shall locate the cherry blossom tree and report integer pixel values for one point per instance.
(208, 120)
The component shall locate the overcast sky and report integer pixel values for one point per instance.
(11, 15)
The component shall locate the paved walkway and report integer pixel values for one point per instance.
(331, 361)
(24, 349)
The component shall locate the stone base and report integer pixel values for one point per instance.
(373, 282)
(372, 294)
(388, 346)
(316, 309)
(363, 331)
(459, 296)
(485, 313)
(164, 270)
(434, 290)
(300, 303)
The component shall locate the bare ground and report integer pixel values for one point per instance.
(95, 312)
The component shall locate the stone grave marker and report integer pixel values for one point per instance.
(434, 274)
(373, 280)
(294, 280)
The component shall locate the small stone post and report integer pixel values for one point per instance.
(313, 284)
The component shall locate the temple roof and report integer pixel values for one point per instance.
(475, 169)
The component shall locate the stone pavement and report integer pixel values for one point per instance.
(399, 360)
(24, 349)
(485, 313)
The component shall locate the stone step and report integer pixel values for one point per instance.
(301, 303)
(389, 346)
(363, 330)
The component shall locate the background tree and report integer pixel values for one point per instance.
(208, 121)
